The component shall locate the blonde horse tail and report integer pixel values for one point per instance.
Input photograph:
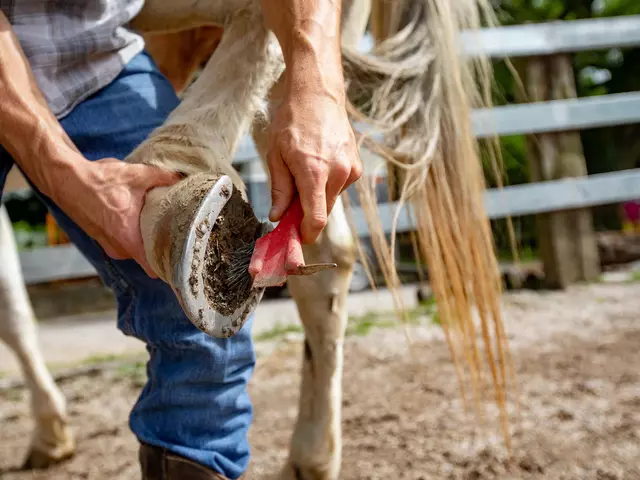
(417, 88)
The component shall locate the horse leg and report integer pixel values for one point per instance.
(199, 140)
(315, 448)
(52, 440)
(316, 444)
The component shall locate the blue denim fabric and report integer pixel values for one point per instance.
(195, 402)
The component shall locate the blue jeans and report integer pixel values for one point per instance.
(195, 402)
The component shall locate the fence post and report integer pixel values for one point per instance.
(567, 240)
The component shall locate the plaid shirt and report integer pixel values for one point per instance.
(74, 47)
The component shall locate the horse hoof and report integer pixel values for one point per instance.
(38, 460)
(199, 235)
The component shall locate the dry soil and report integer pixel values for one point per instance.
(577, 356)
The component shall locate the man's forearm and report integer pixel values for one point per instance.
(28, 129)
(309, 33)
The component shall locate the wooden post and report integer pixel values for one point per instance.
(55, 235)
(567, 240)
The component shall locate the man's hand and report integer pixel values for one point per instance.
(105, 199)
(312, 149)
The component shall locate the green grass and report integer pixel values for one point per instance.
(133, 368)
(635, 276)
(525, 254)
(363, 324)
(128, 365)
(29, 236)
(134, 371)
(12, 394)
(101, 358)
(277, 331)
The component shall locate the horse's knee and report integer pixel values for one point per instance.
(335, 245)
(321, 297)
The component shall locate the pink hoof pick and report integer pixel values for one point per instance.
(279, 253)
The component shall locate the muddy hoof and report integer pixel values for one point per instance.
(193, 232)
(38, 460)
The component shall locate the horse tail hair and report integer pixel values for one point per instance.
(417, 88)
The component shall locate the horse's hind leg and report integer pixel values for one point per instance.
(52, 440)
(316, 444)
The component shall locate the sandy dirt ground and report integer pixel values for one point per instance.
(69, 340)
(577, 357)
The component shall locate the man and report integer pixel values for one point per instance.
(77, 94)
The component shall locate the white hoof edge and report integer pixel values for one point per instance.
(188, 275)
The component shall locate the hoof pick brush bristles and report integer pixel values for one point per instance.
(275, 256)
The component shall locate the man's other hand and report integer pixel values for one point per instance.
(105, 200)
(312, 149)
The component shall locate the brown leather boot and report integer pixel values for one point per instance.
(160, 464)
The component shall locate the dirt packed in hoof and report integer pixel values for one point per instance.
(576, 356)
(227, 283)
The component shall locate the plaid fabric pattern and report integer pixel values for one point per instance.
(74, 47)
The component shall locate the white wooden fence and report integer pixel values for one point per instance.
(64, 262)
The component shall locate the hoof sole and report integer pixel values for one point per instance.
(190, 269)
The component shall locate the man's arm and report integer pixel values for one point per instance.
(309, 33)
(28, 129)
(105, 197)
(312, 147)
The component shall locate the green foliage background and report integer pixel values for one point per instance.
(597, 73)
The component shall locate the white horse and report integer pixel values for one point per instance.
(417, 90)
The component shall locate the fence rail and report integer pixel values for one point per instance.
(530, 198)
(64, 262)
(554, 37)
(558, 115)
